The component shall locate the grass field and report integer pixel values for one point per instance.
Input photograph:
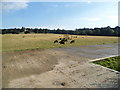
(112, 63)
(18, 42)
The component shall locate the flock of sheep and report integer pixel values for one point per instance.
(65, 39)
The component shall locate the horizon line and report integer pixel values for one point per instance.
(58, 27)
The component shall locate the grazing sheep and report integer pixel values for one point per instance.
(68, 37)
(56, 41)
(64, 39)
(73, 41)
(62, 42)
(60, 38)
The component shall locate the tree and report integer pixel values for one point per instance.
(23, 29)
(26, 32)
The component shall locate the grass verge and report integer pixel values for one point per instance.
(112, 63)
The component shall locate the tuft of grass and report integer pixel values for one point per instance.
(20, 42)
(112, 63)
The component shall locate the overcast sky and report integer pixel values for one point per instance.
(63, 15)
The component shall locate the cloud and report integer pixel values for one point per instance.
(13, 6)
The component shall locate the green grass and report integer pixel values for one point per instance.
(19, 42)
(112, 63)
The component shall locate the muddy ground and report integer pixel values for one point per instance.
(59, 68)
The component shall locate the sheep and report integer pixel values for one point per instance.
(73, 41)
(60, 38)
(56, 41)
(64, 39)
(75, 36)
(62, 42)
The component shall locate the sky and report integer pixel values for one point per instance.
(63, 15)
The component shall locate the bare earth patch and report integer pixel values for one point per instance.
(59, 68)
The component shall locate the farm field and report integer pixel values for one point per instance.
(19, 42)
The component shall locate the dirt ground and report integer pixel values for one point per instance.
(59, 68)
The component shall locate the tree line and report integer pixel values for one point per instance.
(103, 31)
